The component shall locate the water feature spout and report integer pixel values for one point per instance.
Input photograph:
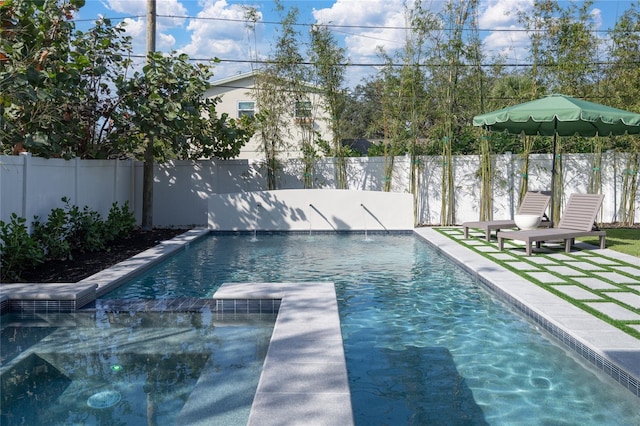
(255, 228)
(373, 216)
(322, 216)
(366, 237)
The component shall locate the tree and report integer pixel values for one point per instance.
(362, 110)
(164, 105)
(279, 86)
(98, 56)
(329, 71)
(565, 48)
(66, 94)
(57, 83)
(454, 91)
(622, 84)
(34, 47)
(394, 93)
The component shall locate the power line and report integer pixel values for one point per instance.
(393, 64)
(336, 26)
(438, 65)
(365, 27)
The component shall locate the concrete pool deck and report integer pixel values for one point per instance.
(606, 347)
(305, 368)
(302, 360)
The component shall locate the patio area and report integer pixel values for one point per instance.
(575, 297)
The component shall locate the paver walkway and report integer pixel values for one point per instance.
(597, 281)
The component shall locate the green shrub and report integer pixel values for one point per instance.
(85, 228)
(18, 250)
(119, 223)
(53, 235)
(66, 229)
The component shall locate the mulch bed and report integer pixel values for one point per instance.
(83, 265)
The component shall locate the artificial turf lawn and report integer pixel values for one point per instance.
(601, 295)
(624, 240)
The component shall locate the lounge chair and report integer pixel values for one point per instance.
(578, 220)
(532, 203)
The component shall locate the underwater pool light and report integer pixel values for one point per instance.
(104, 399)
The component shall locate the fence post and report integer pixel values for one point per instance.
(76, 181)
(510, 169)
(26, 205)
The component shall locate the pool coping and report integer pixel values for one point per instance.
(68, 297)
(295, 359)
(304, 375)
(602, 345)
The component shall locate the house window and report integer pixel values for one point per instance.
(246, 109)
(302, 109)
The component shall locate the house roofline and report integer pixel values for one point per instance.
(233, 78)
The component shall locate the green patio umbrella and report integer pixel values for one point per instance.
(560, 115)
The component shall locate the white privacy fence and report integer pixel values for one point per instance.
(32, 186)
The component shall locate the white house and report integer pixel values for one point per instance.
(238, 99)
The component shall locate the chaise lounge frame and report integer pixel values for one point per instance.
(578, 220)
(532, 203)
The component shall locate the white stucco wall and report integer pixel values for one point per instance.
(311, 210)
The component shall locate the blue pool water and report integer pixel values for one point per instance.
(129, 368)
(424, 343)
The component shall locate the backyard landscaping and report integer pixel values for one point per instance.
(83, 265)
(624, 240)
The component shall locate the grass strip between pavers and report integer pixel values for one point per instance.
(477, 240)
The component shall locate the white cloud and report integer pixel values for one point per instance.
(596, 16)
(512, 46)
(216, 37)
(165, 42)
(136, 28)
(501, 13)
(130, 7)
(363, 42)
(136, 21)
(164, 8)
(505, 36)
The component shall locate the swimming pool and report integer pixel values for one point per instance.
(110, 366)
(424, 343)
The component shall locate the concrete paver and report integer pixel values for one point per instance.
(565, 270)
(576, 292)
(614, 311)
(524, 266)
(546, 277)
(617, 278)
(571, 320)
(634, 272)
(630, 299)
(595, 283)
(585, 266)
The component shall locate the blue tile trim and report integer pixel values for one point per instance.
(595, 359)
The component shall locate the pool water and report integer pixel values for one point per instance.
(130, 368)
(424, 343)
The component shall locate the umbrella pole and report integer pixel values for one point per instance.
(553, 171)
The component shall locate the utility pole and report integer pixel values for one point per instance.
(147, 171)
(151, 26)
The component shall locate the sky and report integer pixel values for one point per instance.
(217, 28)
